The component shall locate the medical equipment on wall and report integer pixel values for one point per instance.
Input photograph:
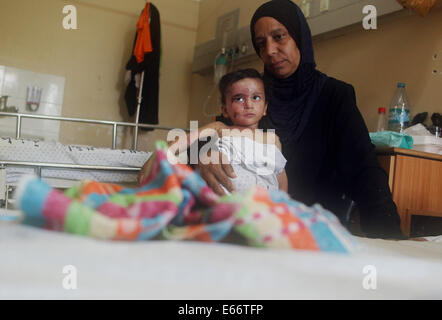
(4, 105)
(33, 97)
(219, 70)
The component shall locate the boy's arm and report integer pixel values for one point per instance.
(184, 142)
(282, 177)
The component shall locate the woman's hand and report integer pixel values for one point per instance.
(217, 173)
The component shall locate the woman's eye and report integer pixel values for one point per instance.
(256, 98)
(279, 36)
(260, 44)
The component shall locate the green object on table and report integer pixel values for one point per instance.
(391, 139)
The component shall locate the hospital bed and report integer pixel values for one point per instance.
(63, 165)
(33, 262)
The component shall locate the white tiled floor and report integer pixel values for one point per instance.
(14, 83)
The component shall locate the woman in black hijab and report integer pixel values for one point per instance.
(330, 158)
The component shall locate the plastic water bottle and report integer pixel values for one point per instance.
(381, 120)
(399, 113)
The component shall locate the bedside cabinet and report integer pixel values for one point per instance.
(415, 180)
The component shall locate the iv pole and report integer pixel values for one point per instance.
(139, 99)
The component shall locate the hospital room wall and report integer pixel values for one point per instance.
(401, 49)
(93, 58)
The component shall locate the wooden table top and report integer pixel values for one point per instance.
(408, 152)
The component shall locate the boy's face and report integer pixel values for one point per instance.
(245, 102)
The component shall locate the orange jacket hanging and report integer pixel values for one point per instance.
(143, 44)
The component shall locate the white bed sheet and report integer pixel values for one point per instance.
(55, 152)
(32, 260)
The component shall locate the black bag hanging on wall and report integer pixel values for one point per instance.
(151, 68)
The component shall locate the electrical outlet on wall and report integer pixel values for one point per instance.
(437, 64)
(324, 5)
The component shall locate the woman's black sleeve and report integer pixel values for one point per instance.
(364, 179)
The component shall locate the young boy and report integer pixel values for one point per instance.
(255, 155)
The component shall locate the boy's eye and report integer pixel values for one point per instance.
(238, 99)
(256, 98)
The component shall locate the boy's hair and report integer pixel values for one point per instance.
(230, 78)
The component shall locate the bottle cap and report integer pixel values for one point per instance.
(401, 85)
(381, 110)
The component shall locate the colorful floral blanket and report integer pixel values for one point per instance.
(175, 203)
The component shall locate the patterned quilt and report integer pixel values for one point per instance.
(174, 203)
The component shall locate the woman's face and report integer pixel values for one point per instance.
(277, 48)
(245, 102)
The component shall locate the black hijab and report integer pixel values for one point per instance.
(292, 99)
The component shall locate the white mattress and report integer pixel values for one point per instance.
(54, 152)
(32, 261)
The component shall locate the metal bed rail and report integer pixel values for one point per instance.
(6, 189)
(115, 124)
(66, 166)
